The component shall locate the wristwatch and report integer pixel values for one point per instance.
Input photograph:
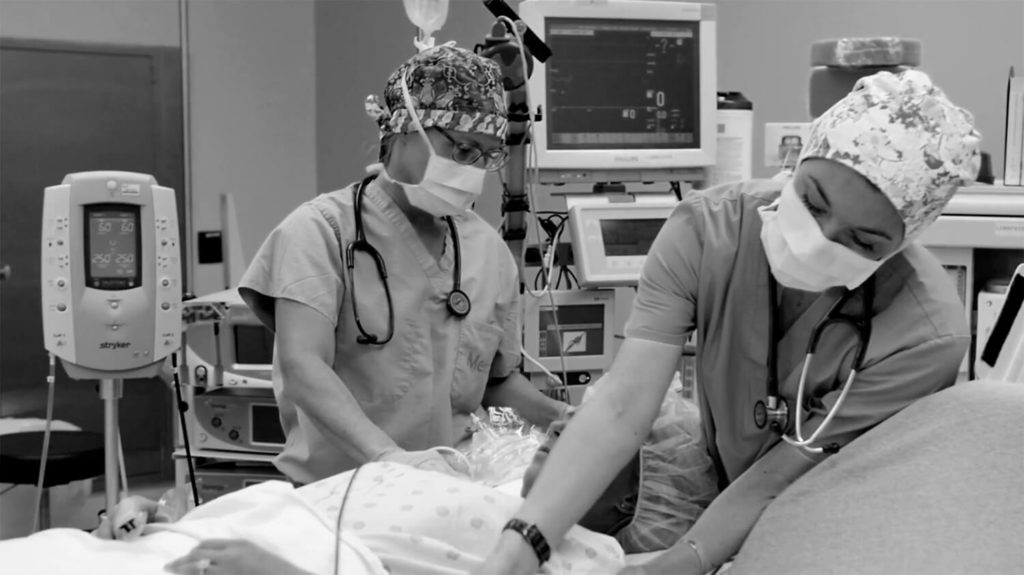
(533, 536)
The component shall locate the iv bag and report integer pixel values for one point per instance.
(427, 15)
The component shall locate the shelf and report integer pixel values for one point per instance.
(227, 455)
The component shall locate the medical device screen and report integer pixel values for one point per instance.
(266, 424)
(623, 84)
(629, 237)
(112, 247)
(582, 328)
(254, 345)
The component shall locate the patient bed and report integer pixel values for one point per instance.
(938, 488)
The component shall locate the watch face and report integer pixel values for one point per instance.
(458, 303)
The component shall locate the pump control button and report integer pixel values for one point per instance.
(165, 306)
(233, 435)
(61, 307)
(166, 282)
(215, 422)
(114, 304)
(61, 282)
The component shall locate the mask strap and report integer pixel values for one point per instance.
(412, 114)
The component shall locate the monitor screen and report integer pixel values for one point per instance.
(266, 424)
(629, 237)
(623, 84)
(254, 345)
(582, 328)
(113, 245)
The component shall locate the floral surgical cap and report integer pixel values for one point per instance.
(902, 133)
(451, 88)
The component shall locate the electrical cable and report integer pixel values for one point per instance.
(531, 180)
(337, 523)
(50, 380)
(121, 465)
(182, 406)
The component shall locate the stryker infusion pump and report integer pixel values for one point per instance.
(111, 274)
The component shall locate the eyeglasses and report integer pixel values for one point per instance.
(467, 154)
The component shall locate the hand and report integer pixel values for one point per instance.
(231, 557)
(126, 520)
(676, 560)
(428, 460)
(511, 556)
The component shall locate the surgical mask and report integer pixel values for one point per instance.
(799, 254)
(448, 188)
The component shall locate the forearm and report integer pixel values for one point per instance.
(517, 392)
(316, 389)
(723, 527)
(719, 533)
(599, 441)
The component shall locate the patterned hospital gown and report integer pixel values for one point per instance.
(421, 522)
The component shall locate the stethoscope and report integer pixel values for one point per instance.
(773, 411)
(458, 302)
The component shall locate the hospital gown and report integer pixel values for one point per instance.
(707, 271)
(421, 387)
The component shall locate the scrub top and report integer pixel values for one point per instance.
(707, 271)
(422, 386)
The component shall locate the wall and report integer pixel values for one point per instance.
(968, 48)
(253, 116)
(131, 22)
(764, 51)
(252, 97)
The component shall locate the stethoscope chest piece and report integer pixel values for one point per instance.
(773, 414)
(458, 303)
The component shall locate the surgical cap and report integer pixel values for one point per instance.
(677, 479)
(904, 135)
(451, 88)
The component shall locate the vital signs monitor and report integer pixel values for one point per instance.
(610, 241)
(631, 85)
(111, 274)
(584, 335)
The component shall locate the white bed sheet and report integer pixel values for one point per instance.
(397, 520)
(270, 514)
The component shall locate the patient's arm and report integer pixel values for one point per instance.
(126, 520)
(232, 557)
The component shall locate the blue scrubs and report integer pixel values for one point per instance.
(707, 271)
(421, 387)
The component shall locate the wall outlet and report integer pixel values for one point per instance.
(783, 143)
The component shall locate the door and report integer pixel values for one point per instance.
(69, 108)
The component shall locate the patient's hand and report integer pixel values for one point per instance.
(231, 557)
(126, 520)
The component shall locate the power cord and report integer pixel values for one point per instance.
(532, 179)
(50, 380)
(337, 523)
(182, 407)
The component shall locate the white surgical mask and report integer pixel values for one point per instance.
(448, 188)
(799, 254)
